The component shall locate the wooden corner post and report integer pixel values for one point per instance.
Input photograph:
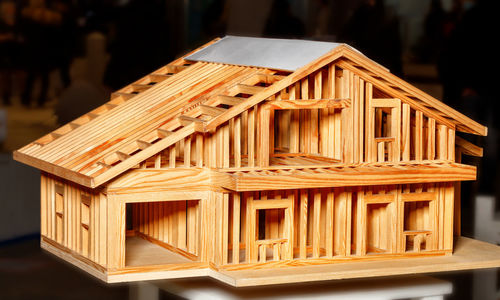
(116, 232)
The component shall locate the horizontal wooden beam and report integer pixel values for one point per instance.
(249, 89)
(158, 77)
(468, 148)
(161, 180)
(308, 104)
(230, 100)
(211, 110)
(197, 123)
(342, 177)
(271, 204)
(53, 169)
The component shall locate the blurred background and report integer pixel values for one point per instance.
(61, 58)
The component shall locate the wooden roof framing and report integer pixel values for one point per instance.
(163, 107)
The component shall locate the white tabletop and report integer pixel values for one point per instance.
(415, 287)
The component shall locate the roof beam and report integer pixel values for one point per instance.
(211, 110)
(276, 87)
(468, 148)
(308, 104)
(186, 120)
(249, 89)
(125, 96)
(122, 156)
(162, 133)
(387, 89)
(143, 144)
(438, 105)
(230, 100)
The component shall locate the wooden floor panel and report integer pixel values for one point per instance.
(139, 252)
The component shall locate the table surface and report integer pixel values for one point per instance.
(416, 286)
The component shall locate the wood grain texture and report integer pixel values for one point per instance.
(239, 168)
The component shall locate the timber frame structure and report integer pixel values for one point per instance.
(206, 167)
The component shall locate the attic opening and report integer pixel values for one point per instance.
(166, 232)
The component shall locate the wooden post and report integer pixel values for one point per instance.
(250, 251)
(361, 225)
(236, 228)
(263, 141)
(237, 142)
(116, 232)
(330, 212)
(251, 137)
(303, 223)
(405, 138)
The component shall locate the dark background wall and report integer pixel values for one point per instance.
(61, 58)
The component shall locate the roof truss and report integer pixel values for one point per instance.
(197, 112)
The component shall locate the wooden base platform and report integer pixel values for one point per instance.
(469, 254)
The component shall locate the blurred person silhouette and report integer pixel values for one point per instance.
(322, 26)
(9, 48)
(453, 17)
(65, 38)
(281, 23)
(38, 26)
(139, 43)
(81, 96)
(431, 43)
(374, 30)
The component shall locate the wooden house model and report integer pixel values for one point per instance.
(253, 153)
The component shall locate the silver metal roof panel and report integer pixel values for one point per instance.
(278, 54)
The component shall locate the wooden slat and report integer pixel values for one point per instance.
(468, 148)
(236, 228)
(431, 139)
(211, 110)
(143, 144)
(251, 137)
(237, 142)
(303, 223)
(230, 100)
(249, 89)
(419, 135)
(316, 224)
(361, 224)
(405, 128)
(309, 104)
